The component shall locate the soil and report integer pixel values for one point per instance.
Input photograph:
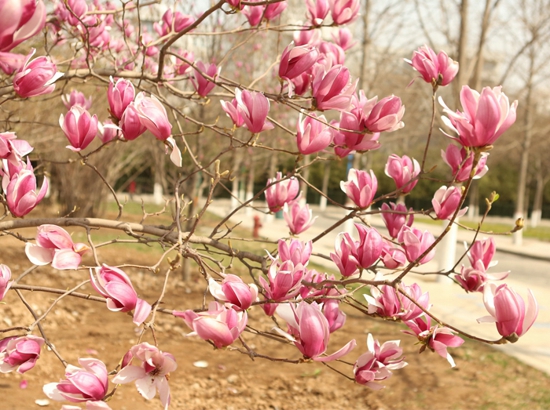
(483, 379)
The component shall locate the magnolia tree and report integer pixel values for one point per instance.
(148, 82)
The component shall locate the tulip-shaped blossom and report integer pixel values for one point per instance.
(308, 291)
(298, 218)
(446, 201)
(507, 309)
(384, 115)
(76, 98)
(89, 383)
(19, 21)
(395, 216)
(483, 251)
(113, 284)
(107, 131)
(331, 310)
(360, 187)
(274, 10)
(181, 65)
(435, 69)
(201, 84)
(131, 124)
(461, 162)
(283, 281)
(345, 141)
(79, 127)
(344, 11)
(279, 192)
(253, 108)
(13, 149)
(376, 364)
(19, 353)
(172, 23)
(151, 374)
(436, 338)
(152, 115)
(219, 324)
(234, 291)
(486, 116)
(313, 134)
(119, 95)
(296, 251)
(306, 35)
(54, 245)
(230, 108)
(317, 10)
(254, 14)
(296, 60)
(392, 256)
(20, 189)
(389, 303)
(403, 171)
(309, 330)
(344, 39)
(331, 54)
(36, 77)
(344, 255)
(415, 243)
(5, 283)
(332, 89)
(473, 279)
(369, 246)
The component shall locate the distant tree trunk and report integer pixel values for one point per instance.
(305, 175)
(324, 188)
(462, 76)
(536, 214)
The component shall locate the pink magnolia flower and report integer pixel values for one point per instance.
(296, 251)
(202, 85)
(473, 279)
(173, 23)
(298, 218)
(254, 14)
(309, 329)
(386, 302)
(219, 324)
(76, 98)
(344, 11)
(283, 281)
(54, 245)
(461, 162)
(281, 192)
(435, 69)
(446, 201)
(346, 141)
(317, 10)
(131, 124)
(19, 21)
(306, 35)
(296, 60)
(153, 116)
(79, 127)
(120, 94)
(507, 309)
(113, 284)
(369, 247)
(313, 135)
(253, 108)
(308, 291)
(77, 13)
(360, 187)
(385, 115)
(483, 251)
(36, 77)
(11, 62)
(234, 291)
(274, 10)
(230, 108)
(5, 283)
(485, 116)
(395, 216)
(19, 353)
(13, 149)
(107, 131)
(376, 364)
(331, 54)
(332, 89)
(437, 338)
(151, 374)
(344, 39)
(415, 243)
(403, 171)
(19, 185)
(300, 85)
(89, 383)
(181, 66)
(331, 310)
(344, 255)
(392, 256)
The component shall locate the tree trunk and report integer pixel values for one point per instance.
(324, 188)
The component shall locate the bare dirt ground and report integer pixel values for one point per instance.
(484, 378)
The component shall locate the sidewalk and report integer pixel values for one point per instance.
(532, 349)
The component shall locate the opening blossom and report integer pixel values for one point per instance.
(395, 217)
(79, 127)
(298, 218)
(253, 108)
(76, 98)
(313, 135)
(389, 303)
(202, 85)
(403, 170)
(19, 353)
(281, 192)
(360, 187)
(119, 95)
(234, 291)
(36, 77)
(461, 161)
(5, 283)
(415, 243)
(435, 69)
(153, 116)
(446, 201)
